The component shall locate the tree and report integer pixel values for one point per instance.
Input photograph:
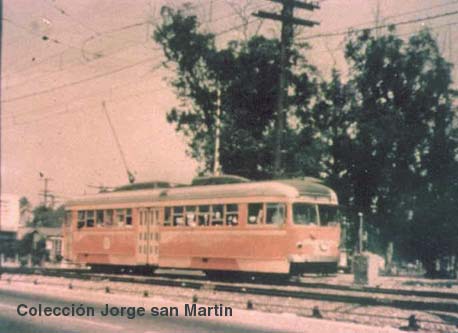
(24, 203)
(435, 233)
(327, 131)
(44, 216)
(30, 245)
(245, 73)
(386, 135)
(25, 208)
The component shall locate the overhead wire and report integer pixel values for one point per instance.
(46, 91)
(96, 55)
(129, 66)
(36, 63)
(341, 48)
(395, 24)
(103, 32)
(73, 83)
(66, 14)
(104, 56)
(94, 62)
(54, 114)
(66, 111)
(51, 89)
(16, 114)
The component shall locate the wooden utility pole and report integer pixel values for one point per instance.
(45, 192)
(287, 33)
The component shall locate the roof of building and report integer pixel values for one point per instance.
(292, 188)
(45, 231)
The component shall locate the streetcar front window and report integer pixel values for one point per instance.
(304, 213)
(329, 215)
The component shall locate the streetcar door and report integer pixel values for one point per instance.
(142, 234)
(148, 238)
(153, 237)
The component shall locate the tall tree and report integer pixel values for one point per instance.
(390, 151)
(245, 73)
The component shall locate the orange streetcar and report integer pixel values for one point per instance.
(281, 226)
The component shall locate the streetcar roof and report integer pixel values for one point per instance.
(291, 189)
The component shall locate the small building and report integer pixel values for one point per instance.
(9, 223)
(52, 237)
(9, 213)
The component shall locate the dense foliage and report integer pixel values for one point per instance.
(44, 216)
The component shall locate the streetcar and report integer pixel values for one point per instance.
(276, 227)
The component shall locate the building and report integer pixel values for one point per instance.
(52, 237)
(9, 219)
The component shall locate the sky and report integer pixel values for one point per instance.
(63, 59)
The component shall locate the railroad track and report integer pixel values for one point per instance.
(364, 296)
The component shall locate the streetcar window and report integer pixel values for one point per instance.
(329, 215)
(304, 213)
(275, 213)
(81, 219)
(191, 217)
(119, 217)
(108, 217)
(128, 216)
(167, 216)
(178, 219)
(90, 218)
(203, 215)
(232, 215)
(217, 214)
(255, 213)
(99, 218)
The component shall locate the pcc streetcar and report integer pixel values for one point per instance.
(281, 226)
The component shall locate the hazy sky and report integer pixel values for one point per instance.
(61, 59)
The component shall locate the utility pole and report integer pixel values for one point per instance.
(377, 19)
(287, 31)
(45, 189)
(216, 163)
(53, 200)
